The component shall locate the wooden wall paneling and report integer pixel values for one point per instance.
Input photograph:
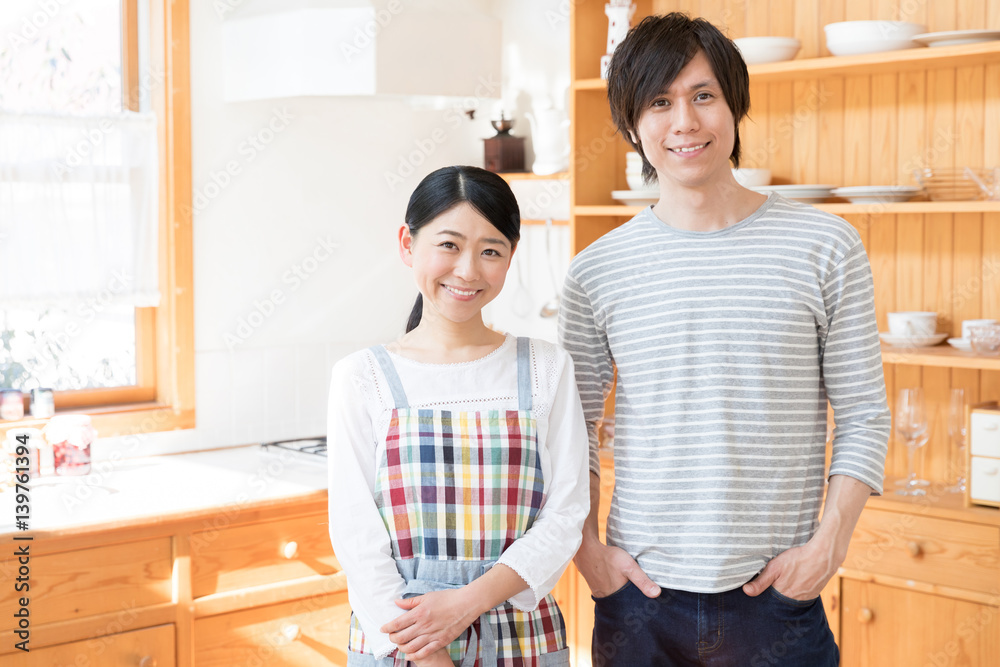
(989, 388)
(857, 130)
(830, 142)
(938, 271)
(882, 255)
(758, 19)
(935, 455)
(967, 288)
(912, 128)
(969, 120)
(715, 12)
(915, 12)
(754, 136)
(941, 16)
(588, 38)
(992, 13)
(884, 10)
(830, 11)
(808, 29)
(884, 127)
(779, 132)
(807, 100)
(858, 10)
(991, 108)
(594, 150)
(735, 14)
(970, 14)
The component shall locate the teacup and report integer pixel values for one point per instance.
(913, 323)
(968, 324)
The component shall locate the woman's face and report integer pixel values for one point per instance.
(459, 262)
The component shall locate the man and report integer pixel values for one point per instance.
(731, 318)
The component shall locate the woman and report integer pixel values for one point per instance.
(458, 455)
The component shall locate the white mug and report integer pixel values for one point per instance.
(968, 324)
(913, 323)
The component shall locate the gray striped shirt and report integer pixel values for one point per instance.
(728, 345)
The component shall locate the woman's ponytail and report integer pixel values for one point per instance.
(418, 310)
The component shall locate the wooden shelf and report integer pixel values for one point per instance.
(938, 502)
(557, 223)
(834, 207)
(965, 55)
(941, 356)
(531, 176)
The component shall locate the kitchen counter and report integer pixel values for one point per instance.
(159, 489)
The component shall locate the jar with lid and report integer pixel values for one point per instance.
(11, 404)
(70, 437)
(43, 403)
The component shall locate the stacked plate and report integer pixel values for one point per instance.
(956, 37)
(877, 194)
(636, 197)
(805, 193)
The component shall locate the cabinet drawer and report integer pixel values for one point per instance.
(262, 553)
(139, 648)
(310, 631)
(984, 435)
(984, 479)
(936, 551)
(86, 582)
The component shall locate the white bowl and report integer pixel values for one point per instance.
(913, 323)
(760, 50)
(752, 178)
(635, 182)
(848, 38)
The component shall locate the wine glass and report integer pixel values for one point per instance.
(957, 433)
(911, 425)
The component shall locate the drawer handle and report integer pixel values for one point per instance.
(147, 661)
(290, 550)
(991, 426)
(991, 471)
(914, 548)
(291, 632)
(865, 615)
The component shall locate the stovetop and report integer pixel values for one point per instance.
(306, 446)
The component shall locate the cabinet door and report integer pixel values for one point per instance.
(151, 647)
(882, 625)
(311, 632)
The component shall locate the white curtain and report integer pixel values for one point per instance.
(78, 209)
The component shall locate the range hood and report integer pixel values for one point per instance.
(358, 48)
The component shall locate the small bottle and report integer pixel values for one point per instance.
(11, 404)
(70, 437)
(43, 404)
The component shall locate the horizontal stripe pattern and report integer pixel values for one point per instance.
(728, 345)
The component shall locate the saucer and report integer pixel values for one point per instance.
(963, 344)
(912, 341)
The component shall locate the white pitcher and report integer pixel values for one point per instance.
(550, 139)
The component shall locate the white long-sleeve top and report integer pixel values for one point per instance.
(358, 420)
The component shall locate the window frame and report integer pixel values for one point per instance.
(163, 397)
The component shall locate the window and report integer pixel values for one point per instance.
(126, 361)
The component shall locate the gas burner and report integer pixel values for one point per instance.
(310, 446)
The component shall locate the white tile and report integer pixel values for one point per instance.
(313, 383)
(213, 393)
(280, 384)
(248, 395)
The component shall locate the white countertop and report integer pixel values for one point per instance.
(129, 490)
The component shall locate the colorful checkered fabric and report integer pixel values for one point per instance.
(522, 637)
(459, 485)
(464, 486)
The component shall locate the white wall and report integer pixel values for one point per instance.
(316, 176)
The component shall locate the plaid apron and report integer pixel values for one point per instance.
(455, 489)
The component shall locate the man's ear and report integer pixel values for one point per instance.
(406, 245)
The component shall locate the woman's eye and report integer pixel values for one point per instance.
(448, 244)
(491, 251)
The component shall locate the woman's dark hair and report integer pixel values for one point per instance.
(652, 55)
(446, 188)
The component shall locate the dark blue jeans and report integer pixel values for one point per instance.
(712, 629)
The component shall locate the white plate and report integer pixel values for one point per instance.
(636, 197)
(805, 192)
(956, 37)
(963, 344)
(872, 194)
(912, 341)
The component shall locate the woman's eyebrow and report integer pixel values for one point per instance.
(451, 232)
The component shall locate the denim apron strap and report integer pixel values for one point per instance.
(391, 376)
(523, 374)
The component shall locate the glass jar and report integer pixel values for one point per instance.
(11, 404)
(70, 437)
(43, 403)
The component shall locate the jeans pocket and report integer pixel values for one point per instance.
(615, 594)
(792, 602)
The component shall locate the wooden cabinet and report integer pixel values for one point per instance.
(258, 586)
(883, 625)
(861, 120)
(150, 647)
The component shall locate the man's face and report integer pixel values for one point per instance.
(687, 132)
